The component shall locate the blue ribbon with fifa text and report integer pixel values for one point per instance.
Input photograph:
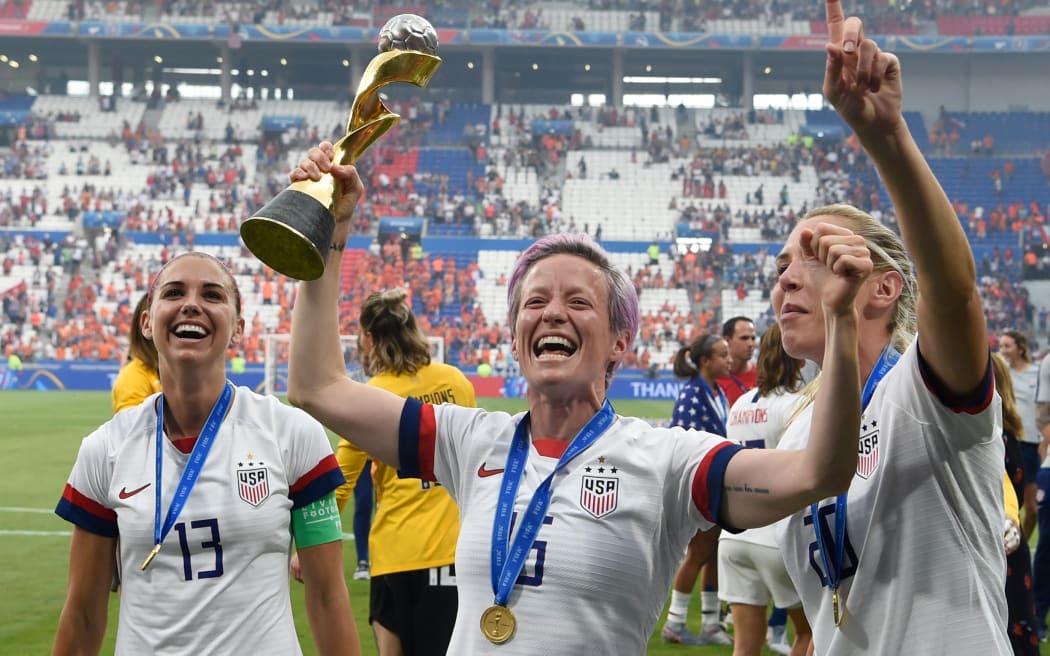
(506, 563)
(833, 569)
(193, 468)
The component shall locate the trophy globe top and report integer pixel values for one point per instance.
(408, 32)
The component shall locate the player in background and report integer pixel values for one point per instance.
(751, 572)
(1041, 561)
(878, 569)
(207, 486)
(364, 506)
(739, 334)
(138, 377)
(1020, 602)
(701, 405)
(1024, 375)
(413, 538)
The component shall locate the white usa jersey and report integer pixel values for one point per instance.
(923, 566)
(757, 422)
(219, 584)
(621, 515)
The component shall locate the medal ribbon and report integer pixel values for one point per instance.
(506, 564)
(717, 400)
(739, 383)
(193, 467)
(833, 569)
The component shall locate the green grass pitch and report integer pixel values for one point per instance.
(39, 437)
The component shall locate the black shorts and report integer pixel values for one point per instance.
(1031, 463)
(419, 606)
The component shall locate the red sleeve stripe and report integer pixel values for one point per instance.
(86, 513)
(323, 485)
(417, 439)
(427, 441)
(327, 464)
(73, 496)
(707, 481)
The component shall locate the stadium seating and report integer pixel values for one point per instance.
(1011, 132)
(92, 123)
(456, 163)
(644, 199)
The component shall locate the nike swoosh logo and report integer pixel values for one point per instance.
(126, 494)
(484, 473)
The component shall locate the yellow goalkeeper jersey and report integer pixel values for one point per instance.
(135, 381)
(416, 523)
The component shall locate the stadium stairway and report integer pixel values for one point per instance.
(151, 118)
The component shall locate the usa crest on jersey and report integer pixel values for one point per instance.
(868, 450)
(598, 494)
(253, 485)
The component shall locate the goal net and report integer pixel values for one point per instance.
(275, 364)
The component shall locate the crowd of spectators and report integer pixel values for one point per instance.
(898, 16)
(90, 320)
(907, 16)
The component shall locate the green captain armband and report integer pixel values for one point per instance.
(317, 523)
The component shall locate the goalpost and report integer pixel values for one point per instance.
(275, 364)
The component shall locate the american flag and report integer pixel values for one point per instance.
(693, 409)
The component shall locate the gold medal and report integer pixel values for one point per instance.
(840, 615)
(150, 557)
(498, 624)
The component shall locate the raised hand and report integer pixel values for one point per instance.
(861, 82)
(840, 262)
(318, 161)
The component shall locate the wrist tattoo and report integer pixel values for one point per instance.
(336, 246)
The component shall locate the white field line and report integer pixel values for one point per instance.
(4, 531)
(49, 511)
(16, 509)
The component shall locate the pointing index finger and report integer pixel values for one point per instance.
(835, 20)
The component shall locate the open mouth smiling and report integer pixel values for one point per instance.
(190, 331)
(553, 348)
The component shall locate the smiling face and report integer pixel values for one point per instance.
(193, 316)
(562, 338)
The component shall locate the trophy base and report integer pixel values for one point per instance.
(291, 234)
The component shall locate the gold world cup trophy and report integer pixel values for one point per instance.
(292, 233)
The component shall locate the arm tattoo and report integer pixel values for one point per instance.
(746, 489)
